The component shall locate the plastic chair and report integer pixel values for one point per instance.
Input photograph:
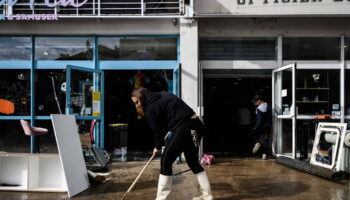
(32, 131)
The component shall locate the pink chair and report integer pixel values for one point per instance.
(32, 131)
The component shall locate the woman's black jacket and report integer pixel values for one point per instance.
(165, 112)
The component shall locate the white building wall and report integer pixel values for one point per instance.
(189, 62)
(273, 27)
(92, 26)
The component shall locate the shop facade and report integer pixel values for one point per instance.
(51, 66)
(227, 41)
(297, 43)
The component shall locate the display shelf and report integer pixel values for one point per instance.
(315, 92)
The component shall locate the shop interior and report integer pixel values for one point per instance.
(227, 93)
(119, 109)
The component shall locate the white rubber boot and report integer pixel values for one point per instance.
(204, 187)
(164, 187)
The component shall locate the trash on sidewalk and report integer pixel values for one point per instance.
(99, 177)
(207, 159)
(120, 154)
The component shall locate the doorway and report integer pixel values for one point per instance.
(120, 109)
(227, 94)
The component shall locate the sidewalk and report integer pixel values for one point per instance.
(231, 179)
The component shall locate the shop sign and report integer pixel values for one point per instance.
(96, 104)
(26, 17)
(41, 17)
(272, 7)
(48, 3)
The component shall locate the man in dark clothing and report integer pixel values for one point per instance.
(262, 126)
(173, 121)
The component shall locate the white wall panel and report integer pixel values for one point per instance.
(189, 62)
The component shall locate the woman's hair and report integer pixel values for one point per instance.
(141, 93)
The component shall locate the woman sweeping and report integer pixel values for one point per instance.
(175, 122)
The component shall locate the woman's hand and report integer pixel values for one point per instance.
(155, 151)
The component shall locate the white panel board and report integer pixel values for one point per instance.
(14, 171)
(69, 147)
(47, 179)
(33, 172)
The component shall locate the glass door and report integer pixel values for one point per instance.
(284, 111)
(85, 100)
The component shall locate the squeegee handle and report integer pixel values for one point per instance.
(137, 178)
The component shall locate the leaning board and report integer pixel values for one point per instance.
(69, 147)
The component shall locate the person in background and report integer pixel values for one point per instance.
(262, 126)
(165, 113)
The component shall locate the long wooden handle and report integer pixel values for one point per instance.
(137, 178)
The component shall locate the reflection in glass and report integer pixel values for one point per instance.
(45, 82)
(13, 138)
(15, 48)
(15, 92)
(64, 48)
(129, 48)
(46, 143)
(311, 48)
(318, 92)
(237, 48)
(81, 92)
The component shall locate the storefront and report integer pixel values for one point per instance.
(227, 51)
(84, 62)
(250, 38)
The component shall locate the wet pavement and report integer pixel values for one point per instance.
(231, 179)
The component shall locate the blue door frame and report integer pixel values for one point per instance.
(98, 84)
